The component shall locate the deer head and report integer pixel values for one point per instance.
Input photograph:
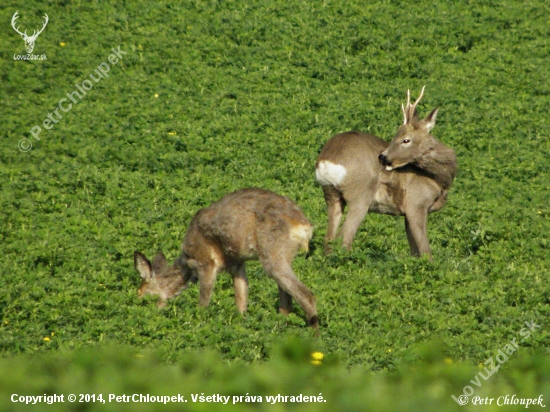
(413, 140)
(160, 279)
(29, 40)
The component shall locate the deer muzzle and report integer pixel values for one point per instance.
(384, 160)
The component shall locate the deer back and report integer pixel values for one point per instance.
(247, 224)
(349, 161)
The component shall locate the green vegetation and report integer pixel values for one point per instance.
(424, 384)
(214, 96)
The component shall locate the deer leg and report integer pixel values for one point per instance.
(335, 206)
(240, 284)
(416, 227)
(289, 283)
(356, 213)
(285, 302)
(207, 277)
(412, 243)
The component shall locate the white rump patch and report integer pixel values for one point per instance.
(328, 173)
(301, 234)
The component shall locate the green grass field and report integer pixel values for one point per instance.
(214, 96)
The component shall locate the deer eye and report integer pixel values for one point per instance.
(406, 141)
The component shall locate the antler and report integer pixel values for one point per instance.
(410, 110)
(35, 34)
(24, 34)
(13, 21)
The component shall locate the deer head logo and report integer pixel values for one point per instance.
(29, 40)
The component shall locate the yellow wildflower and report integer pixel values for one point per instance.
(317, 358)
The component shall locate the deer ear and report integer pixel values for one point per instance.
(429, 121)
(143, 266)
(159, 262)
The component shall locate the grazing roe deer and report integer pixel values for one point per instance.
(249, 224)
(410, 176)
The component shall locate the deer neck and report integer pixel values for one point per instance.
(439, 161)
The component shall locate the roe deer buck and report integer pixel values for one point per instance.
(249, 224)
(409, 176)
